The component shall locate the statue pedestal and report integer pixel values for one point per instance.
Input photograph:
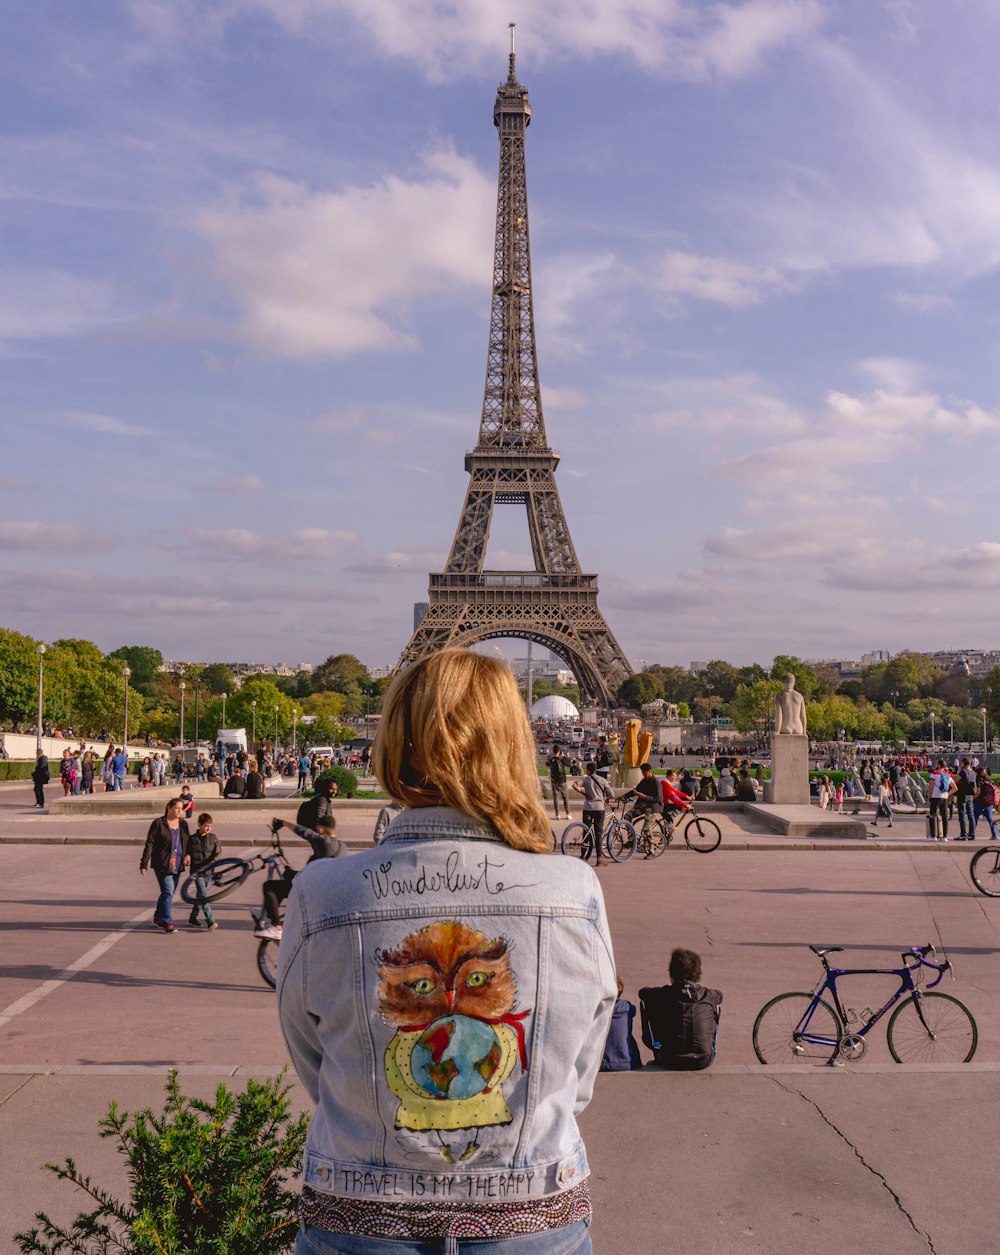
(789, 783)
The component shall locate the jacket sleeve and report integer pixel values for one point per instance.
(148, 847)
(298, 1026)
(606, 995)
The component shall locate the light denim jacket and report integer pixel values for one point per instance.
(446, 1001)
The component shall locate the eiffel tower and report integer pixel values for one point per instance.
(554, 605)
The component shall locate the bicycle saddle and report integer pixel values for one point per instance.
(821, 950)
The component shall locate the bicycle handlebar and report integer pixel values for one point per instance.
(920, 953)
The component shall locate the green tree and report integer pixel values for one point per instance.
(86, 653)
(678, 684)
(18, 678)
(908, 674)
(329, 704)
(99, 702)
(719, 679)
(142, 660)
(217, 678)
(752, 709)
(340, 673)
(239, 711)
(806, 680)
(639, 689)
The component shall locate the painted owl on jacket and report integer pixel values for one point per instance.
(450, 992)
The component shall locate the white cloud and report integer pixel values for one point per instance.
(104, 423)
(682, 39)
(238, 485)
(40, 304)
(923, 302)
(719, 279)
(241, 544)
(738, 405)
(334, 273)
(54, 537)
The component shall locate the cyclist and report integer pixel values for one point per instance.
(646, 794)
(324, 845)
(673, 798)
(597, 793)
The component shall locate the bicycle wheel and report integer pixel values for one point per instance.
(223, 876)
(703, 835)
(932, 1028)
(575, 837)
(985, 871)
(657, 838)
(621, 840)
(793, 1029)
(267, 960)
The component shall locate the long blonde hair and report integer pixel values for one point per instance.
(454, 733)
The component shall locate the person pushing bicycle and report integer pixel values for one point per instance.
(324, 845)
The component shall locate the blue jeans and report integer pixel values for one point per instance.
(164, 903)
(119, 784)
(966, 818)
(201, 884)
(988, 812)
(572, 1240)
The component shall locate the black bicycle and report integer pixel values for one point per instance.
(227, 874)
(985, 870)
(654, 832)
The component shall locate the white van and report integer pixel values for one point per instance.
(324, 751)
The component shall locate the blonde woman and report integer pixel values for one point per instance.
(446, 996)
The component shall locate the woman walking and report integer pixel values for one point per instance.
(455, 1059)
(166, 849)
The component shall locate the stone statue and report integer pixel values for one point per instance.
(789, 710)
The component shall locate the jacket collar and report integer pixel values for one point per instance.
(433, 823)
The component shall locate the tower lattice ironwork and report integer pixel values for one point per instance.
(555, 604)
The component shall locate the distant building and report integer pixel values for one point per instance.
(697, 667)
(875, 656)
(380, 673)
(419, 610)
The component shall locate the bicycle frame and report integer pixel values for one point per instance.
(907, 985)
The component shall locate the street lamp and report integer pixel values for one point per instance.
(932, 731)
(224, 696)
(295, 728)
(40, 651)
(126, 673)
(253, 733)
(989, 721)
(895, 697)
(183, 686)
(951, 732)
(274, 747)
(197, 703)
(984, 729)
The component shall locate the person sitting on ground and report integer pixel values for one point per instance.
(688, 785)
(324, 845)
(235, 786)
(707, 792)
(727, 785)
(254, 784)
(745, 791)
(680, 1021)
(621, 1054)
(187, 797)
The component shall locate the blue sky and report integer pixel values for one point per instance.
(245, 253)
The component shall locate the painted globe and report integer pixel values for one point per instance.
(455, 1057)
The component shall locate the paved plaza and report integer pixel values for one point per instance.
(96, 1005)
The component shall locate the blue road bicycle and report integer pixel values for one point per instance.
(926, 1027)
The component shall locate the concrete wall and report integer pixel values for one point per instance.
(21, 746)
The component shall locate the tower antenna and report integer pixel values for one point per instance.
(511, 76)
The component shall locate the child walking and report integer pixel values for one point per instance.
(203, 847)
